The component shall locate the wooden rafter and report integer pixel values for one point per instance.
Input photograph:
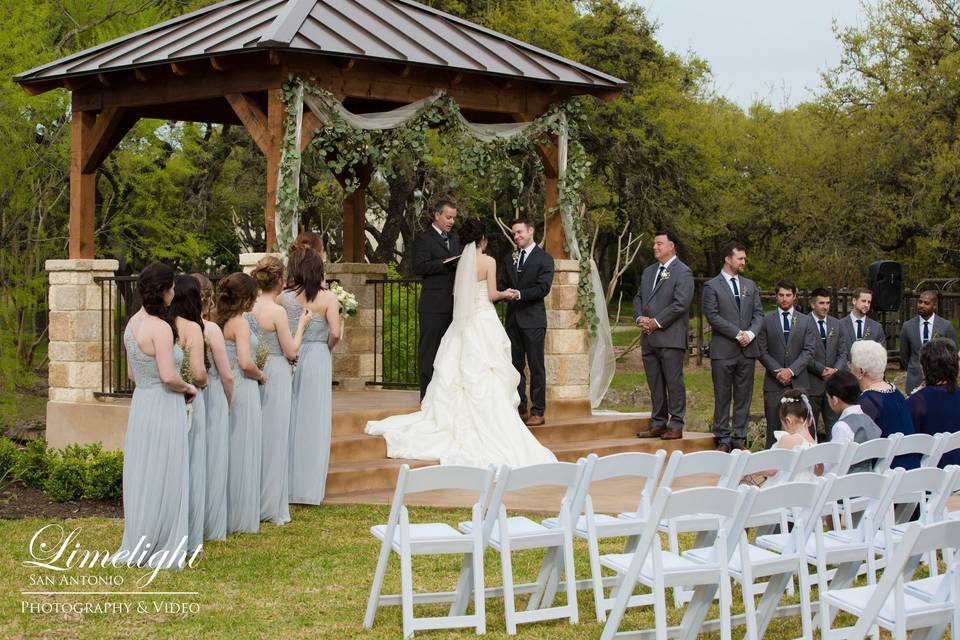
(253, 119)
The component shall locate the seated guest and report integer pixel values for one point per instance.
(879, 399)
(853, 425)
(935, 408)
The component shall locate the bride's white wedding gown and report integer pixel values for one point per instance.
(469, 413)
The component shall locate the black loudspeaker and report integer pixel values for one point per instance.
(886, 281)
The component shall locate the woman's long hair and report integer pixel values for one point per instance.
(312, 276)
(186, 300)
(154, 281)
(235, 294)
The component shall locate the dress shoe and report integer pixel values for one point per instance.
(741, 446)
(672, 434)
(724, 447)
(534, 421)
(653, 432)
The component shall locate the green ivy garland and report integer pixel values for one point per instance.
(344, 148)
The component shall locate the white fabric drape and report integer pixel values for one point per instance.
(465, 287)
(286, 225)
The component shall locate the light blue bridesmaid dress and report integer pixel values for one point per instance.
(197, 445)
(156, 459)
(288, 300)
(310, 416)
(243, 468)
(217, 445)
(275, 399)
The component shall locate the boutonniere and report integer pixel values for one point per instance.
(515, 256)
(832, 333)
(665, 275)
(744, 292)
(867, 333)
(793, 320)
(936, 334)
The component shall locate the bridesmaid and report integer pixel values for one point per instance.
(306, 243)
(216, 397)
(156, 456)
(185, 310)
(275, 395)
(237, 295)
(312, 403)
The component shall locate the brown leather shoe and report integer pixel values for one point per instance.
(534, 421)
(653, 432)
(672, 434)
(741, 446)
(724, 447)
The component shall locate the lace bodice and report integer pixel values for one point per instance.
(289, 303)
(272, 342)
(317, 331)
(144, 366)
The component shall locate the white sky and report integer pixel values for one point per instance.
(758, 49)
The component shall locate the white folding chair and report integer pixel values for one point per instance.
(891, 603)
(876, 453)
(435, 538)
(926, 587)
(922, 444)
(949, 442)
(727, 469)
(658, 569)
(826, 457)
(749, 562)
(516, 533)
(593, 526)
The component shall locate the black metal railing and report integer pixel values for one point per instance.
(119, 300)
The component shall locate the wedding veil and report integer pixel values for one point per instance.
(464, 286)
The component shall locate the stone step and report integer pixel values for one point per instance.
(589, 428)
(366, 475)
(573, 451)
(357, 446)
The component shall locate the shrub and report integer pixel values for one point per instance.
(8, 457)
(33, 465)
(67, 479)
(104, 476)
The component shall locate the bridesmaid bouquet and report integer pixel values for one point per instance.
(261, 357)
(348, 301)
(187, 374)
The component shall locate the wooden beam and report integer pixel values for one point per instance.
(179, 69)
(344, 64)
(104, 79)
(142, 75)
(82, 188)
(553, 235)
(107, 132)
(308, 128)
(219, 64)
(355, 216)
(74, 84)
(276, 113)
(399, 70)
(253, 119)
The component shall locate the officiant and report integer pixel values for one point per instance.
(434, 260)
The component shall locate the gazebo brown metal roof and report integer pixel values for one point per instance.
(226, 63)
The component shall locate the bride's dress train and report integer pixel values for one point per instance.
(469, 413)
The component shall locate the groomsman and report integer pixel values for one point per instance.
(661, 309)
(732, 306)
(432, 250)
(787, 345)
(918, 331)
(531, 274)
(857, 326)
(829, 357)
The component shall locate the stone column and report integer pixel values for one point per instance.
(566, 349)
(77, 310)
(353, 358)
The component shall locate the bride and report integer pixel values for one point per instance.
(469, 413)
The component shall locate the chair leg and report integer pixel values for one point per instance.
(509, 606)
(406, 592)
(596, 576)
(553, 584)
(726, 602)
(545, 577)
(673, 539)
(459, 606)
(659, 607)
(806, 614)
(479, 597)
(749, 605)
(373, 602)
(570, 572)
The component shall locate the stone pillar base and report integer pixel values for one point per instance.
(353, 358)
(567, 347)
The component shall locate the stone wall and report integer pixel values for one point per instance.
(566, 348)
(353, 358)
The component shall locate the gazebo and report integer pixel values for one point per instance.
(227, 64)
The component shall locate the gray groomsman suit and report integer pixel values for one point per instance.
(831, 351)
(732, 366)
(871, 330)
(777, 350)
(911, 340)
(666, 298)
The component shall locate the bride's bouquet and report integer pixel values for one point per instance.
(348, 301)
(186, 373)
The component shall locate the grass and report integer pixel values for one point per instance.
(308, 579)
(16, 405)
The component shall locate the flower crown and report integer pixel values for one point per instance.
(786, 400)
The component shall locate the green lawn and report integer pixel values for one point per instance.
(16, 405)
(309, 579)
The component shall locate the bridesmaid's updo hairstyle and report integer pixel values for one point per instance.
(471, 231)
(268, 273)
(186, 300)
(236, 294)
(154, 281)
(312, 276)
(307, 240)
(206, 294)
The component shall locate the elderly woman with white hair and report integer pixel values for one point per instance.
(879, 399)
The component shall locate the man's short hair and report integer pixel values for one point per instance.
(932, 292)
(730, 247)
(820, 292)
(859, 291)
(443, 204)
(783, 283)
(524, 221)
(671, 236)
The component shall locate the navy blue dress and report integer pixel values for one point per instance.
(936, 410)
(890, 411)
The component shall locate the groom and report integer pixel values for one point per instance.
(432, 253)
(530, 272)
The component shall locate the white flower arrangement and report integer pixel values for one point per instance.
(664, 275)
(348, 301)
(786, 400)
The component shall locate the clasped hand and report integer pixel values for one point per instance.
(512, 294)
(647, 325)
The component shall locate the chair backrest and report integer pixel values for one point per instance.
(880, 450)
(552, 474)
(730, 506)
(804, 500)
(628, 465)
(949, 442)
(832, 454)
(781, 460)
(913, 488)
(919, 443)
(724, 465)
(878, 489)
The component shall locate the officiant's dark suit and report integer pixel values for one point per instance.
(527, 320)
(430, 249)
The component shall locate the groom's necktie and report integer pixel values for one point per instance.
(523, 255)
(446, 240)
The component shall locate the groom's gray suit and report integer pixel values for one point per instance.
(667, 300)
(732, 366)
(911, 341)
